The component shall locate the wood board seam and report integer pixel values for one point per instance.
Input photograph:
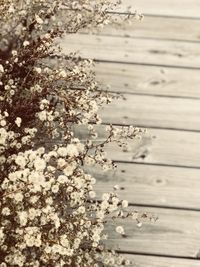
(153, 95)
(130, 63)
(158, 164)
(143, 64)
(163, 207)
(154, 127)
(158, 255)
(155, 15)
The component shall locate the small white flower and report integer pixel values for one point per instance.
(69, 169)
(20, 161)
(120, 230)
(2, 160)
(14, 52)
(42, 115)
(62, 151)
(81, 210)
(92, 194)
(124, 203)
(6, 211)
(71, 150)
(18, 121)
(12, 92)
(64, 241)
(39, 164)
(105, 196)
(38, 19)
(62, 179)
(93, 181)
(63, 74)
(3, 123)
(115, 201)
(18, 197)
(96, 237)
(38, 70)
(116, 187)
(61, 162)
(89, 160)
(104, 205)
(23, 218)
(26, 43)
(1, 68)
(55, 188)
(139, 224)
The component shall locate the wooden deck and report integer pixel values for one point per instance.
(156, 64)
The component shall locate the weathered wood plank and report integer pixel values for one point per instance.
(149, 261)
(152, 185)
(176, 233)
(151, 111)
(149, 80)
(157, 27)
(182, 8)
(141, 51)
(169, 147)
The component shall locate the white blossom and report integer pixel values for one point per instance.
(38, 19)
(1, 68)
(39, 164)
(120, 230)
(18, 121)
(26, 43)
(124, 203)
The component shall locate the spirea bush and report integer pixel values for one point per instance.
(49, 214)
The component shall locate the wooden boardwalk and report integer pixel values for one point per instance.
(156, 64)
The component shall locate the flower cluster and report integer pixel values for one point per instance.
(49, 214)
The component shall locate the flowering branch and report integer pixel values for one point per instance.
(48, 212)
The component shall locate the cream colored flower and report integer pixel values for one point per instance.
(38, 19)
(120, 230)
(1, 68)
(18, 121)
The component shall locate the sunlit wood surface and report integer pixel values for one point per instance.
(156, 64)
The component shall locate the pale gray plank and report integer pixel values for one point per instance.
(149, 261)
(141, 51)
(149, 80)
(151, 111)
(169, 147)
(176, 233)
(156, 27)
(143, 184)
(183, 8)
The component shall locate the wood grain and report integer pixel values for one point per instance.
(155, 63)
(159, 146)
(182, 8)
(156, 27)
(149, 261)
(140, 51)
(149, 80)
(152, 185)
(176, 233)
(151, 111)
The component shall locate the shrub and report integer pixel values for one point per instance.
(48, 213)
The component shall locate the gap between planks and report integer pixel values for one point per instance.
(158, 261)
